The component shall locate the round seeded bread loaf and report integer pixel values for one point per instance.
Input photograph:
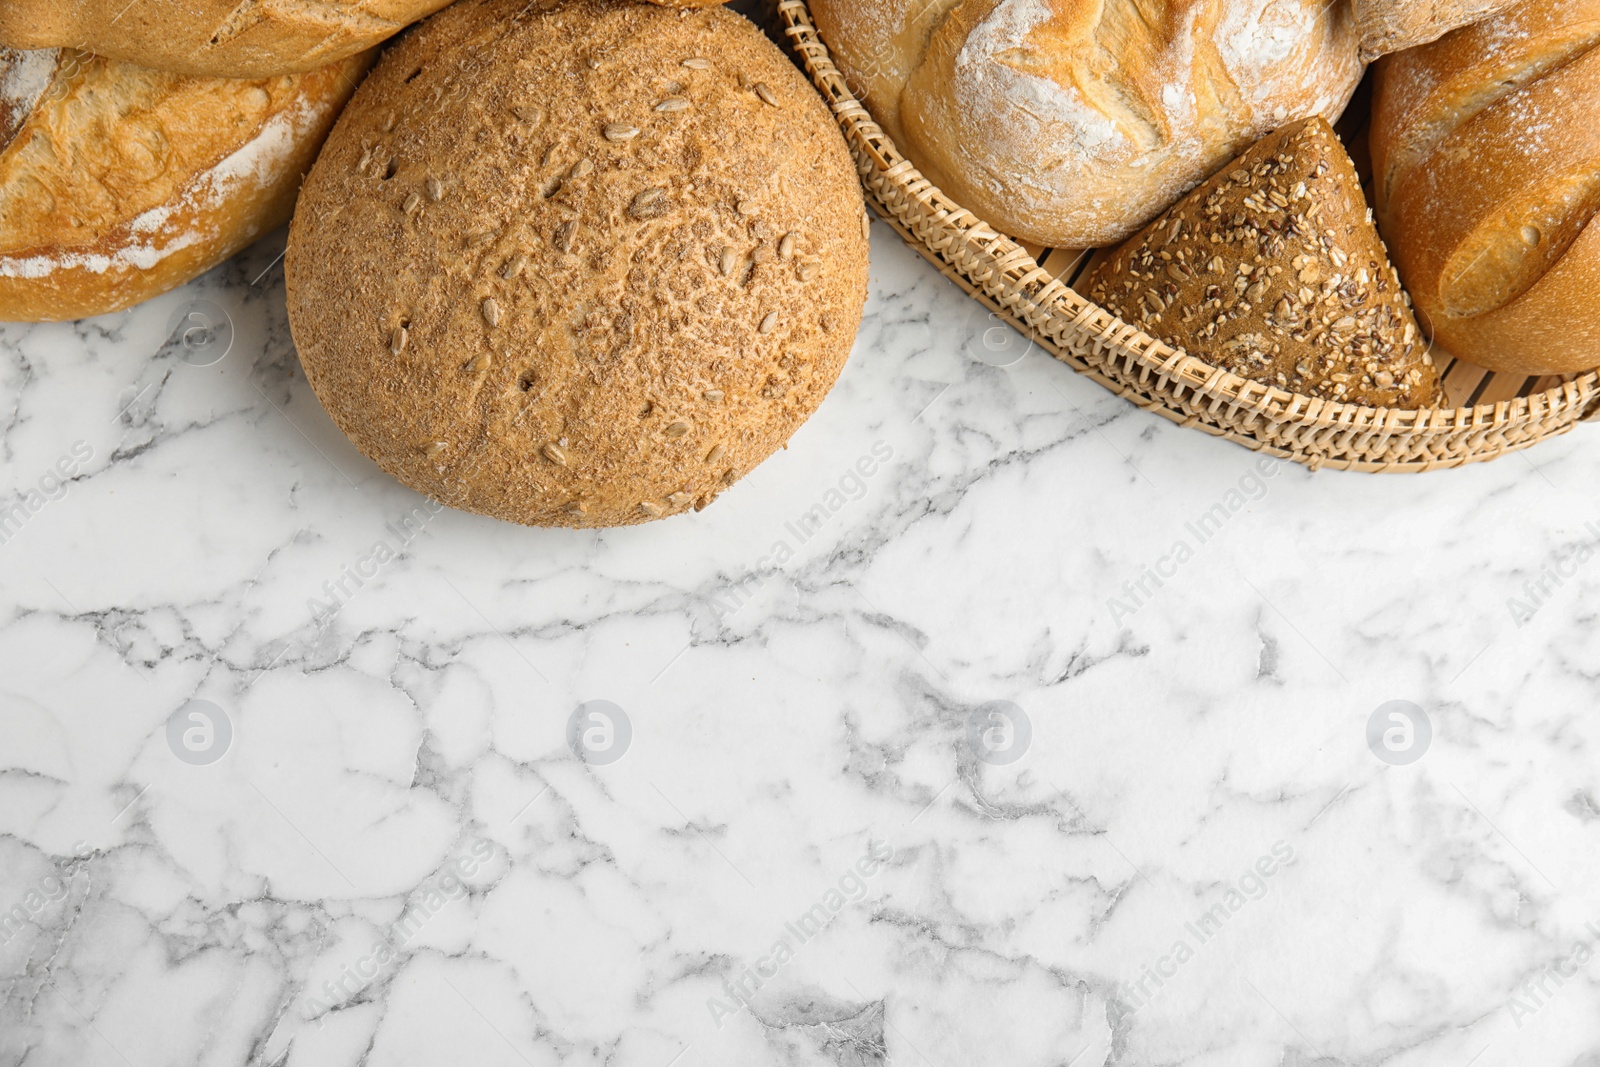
(577, 264)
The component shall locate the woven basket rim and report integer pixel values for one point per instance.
(1013, 272)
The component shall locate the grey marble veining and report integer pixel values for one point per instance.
(992, 722)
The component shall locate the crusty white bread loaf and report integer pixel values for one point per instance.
(1395, 25)
(1072, 123)
(1486, 149)
(214, 38)
(118, 183)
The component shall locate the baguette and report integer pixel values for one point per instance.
(220, 38)
(212, 38)
(1487, 157)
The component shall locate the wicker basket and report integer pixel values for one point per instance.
(1492, 414)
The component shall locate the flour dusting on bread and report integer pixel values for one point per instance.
(1071, 123)
(124, 182)
(24, 76)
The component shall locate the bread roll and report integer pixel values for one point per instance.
(1274, 270)
(1487, 156)
(213, 38)
(1072, 123)
(118, 183)
(1395, 25)
(590, 278)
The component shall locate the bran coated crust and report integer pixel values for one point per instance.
(1274, 270)
(578, 264)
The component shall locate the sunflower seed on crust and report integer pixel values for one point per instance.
(649, 204)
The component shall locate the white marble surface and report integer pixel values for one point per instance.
(397, 858)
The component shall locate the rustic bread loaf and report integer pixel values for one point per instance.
(1072, 123)
(214, 38)
(1395, 25)
(585, 264)
(1486, 150)
(118, 183)
(1273, 270)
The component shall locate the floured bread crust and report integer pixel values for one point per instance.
(213, 38)
(1071, 123)
(118, 183)
(1394, 25)
(1487, 157)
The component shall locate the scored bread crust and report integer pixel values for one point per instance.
(213, 38)
(578, 264)
(1395, 25)
(1072, 123)
(1422, 96)
(1274, 270)
(118, 183)
(1487, 160)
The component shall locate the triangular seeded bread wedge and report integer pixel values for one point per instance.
(1274, 270)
